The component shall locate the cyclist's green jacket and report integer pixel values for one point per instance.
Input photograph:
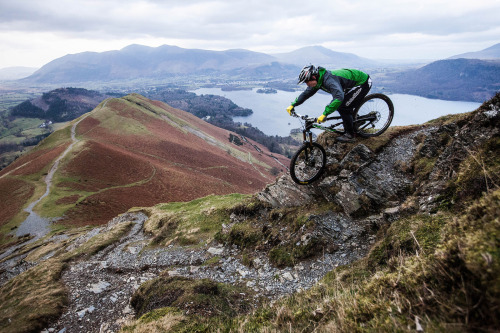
(336, 83)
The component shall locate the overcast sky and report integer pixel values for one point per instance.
(34, 32)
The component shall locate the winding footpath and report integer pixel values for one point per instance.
(34, 224)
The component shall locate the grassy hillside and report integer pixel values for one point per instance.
(432, 264)
(426, 272)
(130, 152)
(27, 121)
(431, 273)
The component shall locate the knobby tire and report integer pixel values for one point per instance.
(308, 163)
(381, 107)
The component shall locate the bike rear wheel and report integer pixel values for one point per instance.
(308, 163)
(373, 116)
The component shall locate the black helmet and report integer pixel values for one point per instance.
(306, 73)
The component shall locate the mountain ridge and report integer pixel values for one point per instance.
(142, 61)
(492, 52)
(151, 147)
(452, 79)
(136, 61)
(175, 66)
(399, 234)
(320, 55)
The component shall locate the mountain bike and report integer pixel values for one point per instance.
(371, 118)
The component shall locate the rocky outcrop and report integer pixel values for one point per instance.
(364, 182)
(321, 226)
(463, 140)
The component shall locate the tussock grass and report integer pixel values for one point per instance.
(156, 321)
(190, 223)
(278, 232)
(182, 304)
(451, 118)
(437, 273)
(30, 300)
(478, 173)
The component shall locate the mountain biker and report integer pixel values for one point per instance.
(347, 86)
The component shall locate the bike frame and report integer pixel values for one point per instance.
(308, 163)
(311, 123)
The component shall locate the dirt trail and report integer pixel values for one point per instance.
(34, 224)
(100, 287)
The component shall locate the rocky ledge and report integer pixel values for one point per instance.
(372, 189)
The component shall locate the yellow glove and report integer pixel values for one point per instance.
(321, 118)
(290, 109)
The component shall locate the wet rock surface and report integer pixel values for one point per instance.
(365, 181)
(370, 188)
(100, 288)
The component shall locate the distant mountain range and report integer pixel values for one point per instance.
(132, 151)
(319, 55)
(16, 73)
(492, 52)
(183, 66)
(454, 79)
(136, 61)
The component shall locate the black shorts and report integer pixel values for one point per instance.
(354, 96)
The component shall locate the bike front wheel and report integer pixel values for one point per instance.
(308, 163)
(374, 115)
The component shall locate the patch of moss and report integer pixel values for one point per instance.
(187, 240)
(156, 314)
(281, 257)
(422, 167)
(158, 320)
(407, 236)
(244, 235)
(193, 222)
(289, 254)
(212, 261)
(201, 297)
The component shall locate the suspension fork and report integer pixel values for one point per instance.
(307, 140)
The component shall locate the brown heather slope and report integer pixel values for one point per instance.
(136, 152)
(17, 181)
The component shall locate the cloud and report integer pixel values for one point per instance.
(261, 25)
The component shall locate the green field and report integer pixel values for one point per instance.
(15, 133)
(19, 129)
(11, 99)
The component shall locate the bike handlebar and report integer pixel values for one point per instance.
(306, 117)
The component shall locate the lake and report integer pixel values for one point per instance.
(270, 116)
